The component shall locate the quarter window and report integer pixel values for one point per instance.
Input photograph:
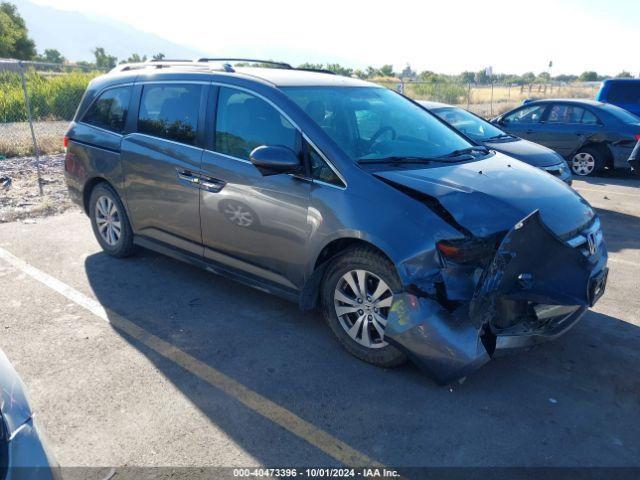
(170, 111)
(109, 111)
(320, 170)
(245, 122)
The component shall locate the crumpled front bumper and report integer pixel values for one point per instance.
(535, 288)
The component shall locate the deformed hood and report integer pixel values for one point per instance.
(526, 151)
(13, 401)
(491, 195)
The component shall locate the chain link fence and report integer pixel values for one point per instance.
(37, 101)
(40, 98)
(488, 100)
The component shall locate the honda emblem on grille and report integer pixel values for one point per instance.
(591, 241)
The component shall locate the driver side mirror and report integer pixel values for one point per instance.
(273, 160)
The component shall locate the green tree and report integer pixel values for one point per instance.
(311, 66)
(360, 74)
(467, 77)
(565, 78)
(339, 69)
(386, 70)
(51, 55)
(103, 60)
(158, 56)
(14, 37)
(588, 76)
(372, 72)
(135, 58)
(544, 77)
(624, 74)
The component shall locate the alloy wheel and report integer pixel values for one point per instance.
(362, 301)
(108, 220)
(583, 163)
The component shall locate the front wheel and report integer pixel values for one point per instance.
(357, 294)
(586, 162)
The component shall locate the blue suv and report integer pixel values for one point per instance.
(623, 92)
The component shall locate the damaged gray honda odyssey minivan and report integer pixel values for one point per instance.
(339, 194)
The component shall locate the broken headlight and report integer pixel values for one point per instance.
(469, 251)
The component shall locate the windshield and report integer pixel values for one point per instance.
(372, 123)
(472, 126)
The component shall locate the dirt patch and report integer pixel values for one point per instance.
(19, 196)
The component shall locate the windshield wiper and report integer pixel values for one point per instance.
(498, 137)
(466, 151)
(396, 159)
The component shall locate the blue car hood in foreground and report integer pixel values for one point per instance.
(491, 195)
(13, 401)
(526, 151)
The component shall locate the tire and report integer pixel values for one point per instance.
(119, 244)
(376, 268)
(587, 161)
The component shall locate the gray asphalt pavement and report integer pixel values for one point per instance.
(191, 369)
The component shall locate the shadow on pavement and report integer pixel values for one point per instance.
(618, 177)
(573, 402)
(621, 230)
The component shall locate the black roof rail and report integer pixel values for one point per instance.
(248, 60)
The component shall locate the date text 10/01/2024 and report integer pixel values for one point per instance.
(316, 472)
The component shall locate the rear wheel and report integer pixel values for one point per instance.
(357, 293)
(110, 222)
(587, 161)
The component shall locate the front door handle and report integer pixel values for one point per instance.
(211, 184)
(187, 176)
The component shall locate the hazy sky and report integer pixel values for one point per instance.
(444, 36)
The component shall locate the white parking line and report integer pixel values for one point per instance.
(607, 192)
(624, 262)
(261, 405)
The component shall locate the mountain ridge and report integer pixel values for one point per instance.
(77, 34)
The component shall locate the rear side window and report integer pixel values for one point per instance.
(170, 111)
(244, 122)
(570, 114)
(624, 93)
(109, 111)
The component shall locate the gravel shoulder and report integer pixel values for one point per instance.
(19, 195)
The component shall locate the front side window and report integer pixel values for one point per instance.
(373, 123)
(109, 111)
(244, 122)
(531, 114)
(170, 111)
(466, 122)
